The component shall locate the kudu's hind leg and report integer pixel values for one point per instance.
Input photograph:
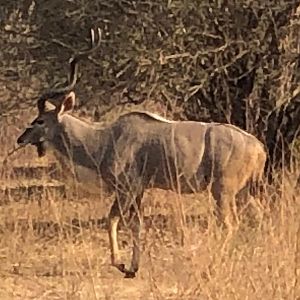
(226, 205)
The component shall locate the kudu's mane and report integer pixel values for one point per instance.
(151, 116)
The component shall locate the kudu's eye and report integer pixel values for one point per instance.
(40, 122)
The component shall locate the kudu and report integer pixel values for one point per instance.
(141, 150)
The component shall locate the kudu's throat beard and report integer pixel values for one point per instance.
(41, 148)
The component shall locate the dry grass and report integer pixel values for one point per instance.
(64, 261)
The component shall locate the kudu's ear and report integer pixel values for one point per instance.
(68, 103)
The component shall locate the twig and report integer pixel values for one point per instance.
(60, 43)
(10, 153)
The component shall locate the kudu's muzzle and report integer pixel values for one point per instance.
(27, 137)
(21, 141)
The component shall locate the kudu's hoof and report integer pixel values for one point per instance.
(129, 274)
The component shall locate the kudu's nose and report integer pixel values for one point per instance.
(20, 140)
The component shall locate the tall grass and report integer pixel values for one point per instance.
(63, 261)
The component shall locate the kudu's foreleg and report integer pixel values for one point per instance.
(119, 209)
(113, 222)
(135, 221)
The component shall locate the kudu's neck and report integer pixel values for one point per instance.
(80, 142)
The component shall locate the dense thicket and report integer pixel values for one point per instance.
(224, 60)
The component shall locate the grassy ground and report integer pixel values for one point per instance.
(61, 261)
